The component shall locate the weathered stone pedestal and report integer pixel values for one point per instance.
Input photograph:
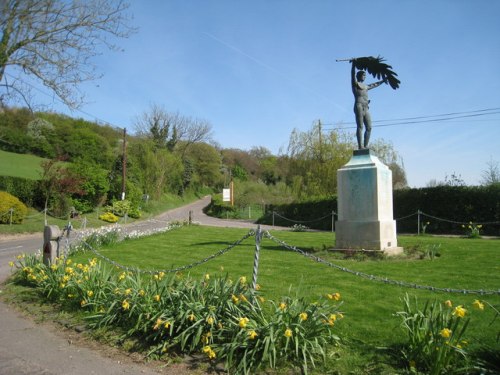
(365, 215)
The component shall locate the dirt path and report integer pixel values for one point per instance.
(30, 347)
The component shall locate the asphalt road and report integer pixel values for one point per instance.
(27, 347)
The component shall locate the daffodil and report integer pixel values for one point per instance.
(303, 316)
(125, 305)
(252, 335)
(243, 280)
(90, 293)
(448, 303)
(288, 332)
(459, 311)
(141, 292)
(243, 322)
(167, 325)
(334, 296)
(210, 320)
(191, 317)
(235, 299)
(209, 352)
(158, 324)
(127, 291)
(478, 304)
(207, 277)
(11, 264)
(445, 332)
(282, 306)
(157, 298)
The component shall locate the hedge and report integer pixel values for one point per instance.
(24, 189)
(449, 206)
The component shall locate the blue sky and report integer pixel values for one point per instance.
(258, 69)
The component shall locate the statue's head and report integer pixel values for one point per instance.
(361, 75)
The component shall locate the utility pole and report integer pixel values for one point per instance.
(124, 163)
(320, 141)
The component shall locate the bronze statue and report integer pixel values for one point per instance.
(376, 67)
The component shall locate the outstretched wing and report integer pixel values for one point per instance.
(377, 68)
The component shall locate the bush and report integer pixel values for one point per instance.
(125, 207)
(25, 190)
(109, 217)
(12, 210)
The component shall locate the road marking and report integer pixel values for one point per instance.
(10, 248)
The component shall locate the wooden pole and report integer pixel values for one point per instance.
(124, 163)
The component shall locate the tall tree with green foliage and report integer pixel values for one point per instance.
(53, 42)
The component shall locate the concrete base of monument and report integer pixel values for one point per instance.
(365, 205)
(390, 251)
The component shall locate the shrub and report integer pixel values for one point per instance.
(109, 217)
(125, 207)
(12, 210)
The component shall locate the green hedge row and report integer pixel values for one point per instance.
(26, 190)
(447, 206)
(315, 214)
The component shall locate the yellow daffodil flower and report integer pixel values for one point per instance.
(158, 324)
(243, 322)
(448, 303)
(445, 332)
(478, 304)
(459, 311)
(303, 316)
(235, 299)
(125, 305)
(288, 332)
(252, 335)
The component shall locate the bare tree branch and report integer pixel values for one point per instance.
(54, 42)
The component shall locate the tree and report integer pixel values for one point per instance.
(491, 175)
(53, 42)
(158, 125)
(57, 183)
(386, 153)
(172, 130)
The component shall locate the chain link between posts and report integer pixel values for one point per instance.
(259, 235)
(178, 269)
(374, 277)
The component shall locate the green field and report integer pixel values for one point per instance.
(370, 330)
(20, 165)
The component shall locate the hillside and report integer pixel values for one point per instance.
(20, 165)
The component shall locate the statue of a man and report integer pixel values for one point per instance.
(361, 102)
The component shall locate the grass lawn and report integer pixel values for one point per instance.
(370, 328)
(20, 165)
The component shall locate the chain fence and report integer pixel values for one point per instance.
(258, 238)
(374, 277)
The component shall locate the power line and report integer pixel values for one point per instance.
(427, 119)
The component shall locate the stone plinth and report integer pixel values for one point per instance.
(365, 215)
